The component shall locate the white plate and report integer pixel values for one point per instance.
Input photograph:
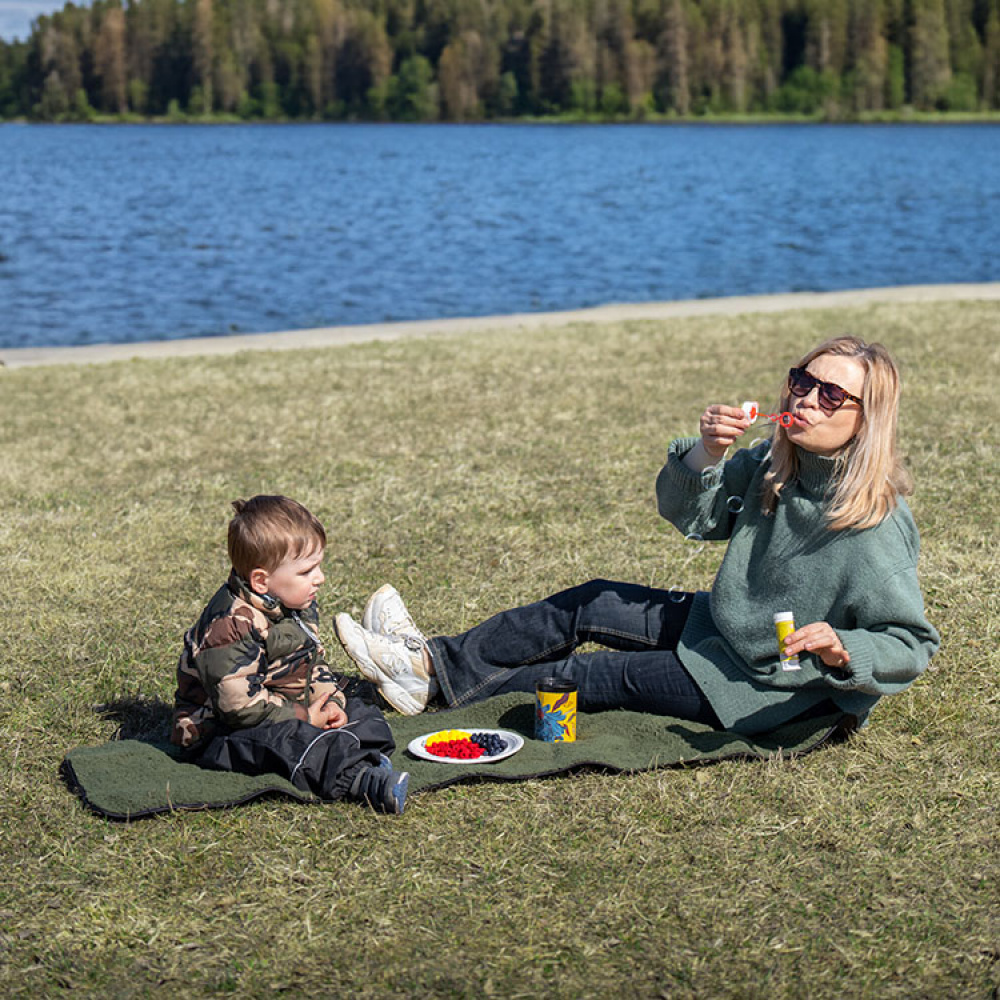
(514, 743)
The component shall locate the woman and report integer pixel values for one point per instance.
(817, 525)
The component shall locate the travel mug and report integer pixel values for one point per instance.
(555, 710)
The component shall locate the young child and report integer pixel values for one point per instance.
(254, 693)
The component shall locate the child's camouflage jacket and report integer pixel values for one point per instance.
(246, 661)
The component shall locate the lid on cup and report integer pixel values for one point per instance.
(555, 684)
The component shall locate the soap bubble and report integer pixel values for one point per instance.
(697, 539)
(735, 505)
(756, 441)
(677, 595)
(709, 476)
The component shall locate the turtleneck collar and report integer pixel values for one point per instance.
(816, 472)
(266, 605)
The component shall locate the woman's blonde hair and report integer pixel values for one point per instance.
(869, 476)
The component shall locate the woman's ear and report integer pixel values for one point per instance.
(259, 581)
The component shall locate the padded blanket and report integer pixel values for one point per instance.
(129, 779)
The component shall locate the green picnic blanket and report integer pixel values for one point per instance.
(127, 779)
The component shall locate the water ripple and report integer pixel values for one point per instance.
(140, 233)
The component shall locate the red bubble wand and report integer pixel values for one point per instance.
(751, 409)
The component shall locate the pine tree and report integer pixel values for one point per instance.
(203, 46)
(929, 67)
(364, 61)
(765, 46)
(640, 74)
(870, 54)
(480, 58)
(111, 60)
(991, 58)
(674, 88)
(464, 64)
(735, 62)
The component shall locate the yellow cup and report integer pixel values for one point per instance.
(555, 710)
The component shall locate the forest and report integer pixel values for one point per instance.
(475, 60)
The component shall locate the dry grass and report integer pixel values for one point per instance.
(473, 473)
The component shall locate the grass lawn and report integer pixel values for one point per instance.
(473, 472)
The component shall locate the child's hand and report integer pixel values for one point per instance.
(720, 426)
(327, 714)
(336, 716)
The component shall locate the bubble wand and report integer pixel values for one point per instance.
(752, 410)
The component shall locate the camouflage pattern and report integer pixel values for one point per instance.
(245, 663)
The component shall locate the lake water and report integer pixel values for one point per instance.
(157, 232)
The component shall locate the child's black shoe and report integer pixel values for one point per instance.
(382, 788)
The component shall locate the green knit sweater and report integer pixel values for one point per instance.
(863, 583)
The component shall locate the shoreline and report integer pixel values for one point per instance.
(24, 357)
(898, 116)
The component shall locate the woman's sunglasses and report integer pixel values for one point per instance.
(831, 396)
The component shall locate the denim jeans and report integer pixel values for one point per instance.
(639, 670)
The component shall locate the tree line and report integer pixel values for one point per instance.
(461, 60)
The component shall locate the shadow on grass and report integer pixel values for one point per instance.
(828, 727)
(138, 717)
(838, 726)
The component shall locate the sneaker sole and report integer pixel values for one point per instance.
(399, 792)
(394, 693)
(368, 618)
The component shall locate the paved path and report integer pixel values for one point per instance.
(334, 335)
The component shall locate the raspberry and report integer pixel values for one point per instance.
(462, 749)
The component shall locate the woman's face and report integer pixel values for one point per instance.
(816, 429)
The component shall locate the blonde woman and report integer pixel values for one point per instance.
(816, 524)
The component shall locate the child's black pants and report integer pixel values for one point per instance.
(322, 761)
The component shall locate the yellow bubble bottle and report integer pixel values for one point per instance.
(784, 625)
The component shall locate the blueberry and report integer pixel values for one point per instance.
(490, 742)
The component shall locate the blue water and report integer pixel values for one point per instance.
(157, 232)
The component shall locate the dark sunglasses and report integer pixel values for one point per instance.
(831, 396)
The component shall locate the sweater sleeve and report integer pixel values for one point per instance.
(891, 642)
(700, 502)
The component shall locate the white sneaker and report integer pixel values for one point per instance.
(386, 614)
(394, 663)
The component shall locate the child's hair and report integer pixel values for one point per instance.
(870, 475)
(266, 531)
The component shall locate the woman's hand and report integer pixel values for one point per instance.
(720, 426)
(821, 639)
(326, 714)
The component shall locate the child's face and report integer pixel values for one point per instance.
(296, 581)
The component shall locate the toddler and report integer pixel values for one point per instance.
(254, 692)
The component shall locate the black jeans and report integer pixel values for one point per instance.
(639, 670)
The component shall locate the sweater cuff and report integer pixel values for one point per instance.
(857, 674)
(284, 712)
(685, 479)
